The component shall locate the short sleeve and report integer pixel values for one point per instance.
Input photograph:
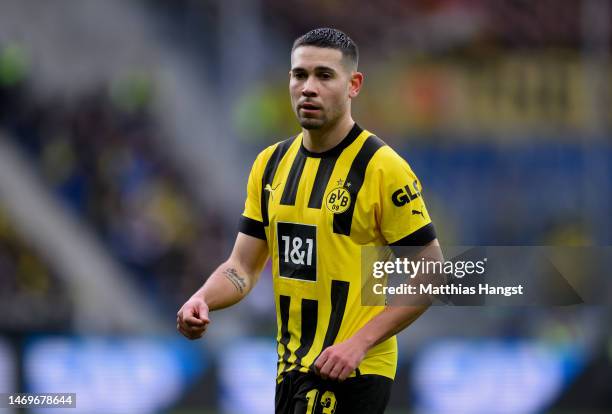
(251, 222)
(404, 219)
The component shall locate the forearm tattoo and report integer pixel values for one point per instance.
(238, 281)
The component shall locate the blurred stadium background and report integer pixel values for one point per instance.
(127, 130)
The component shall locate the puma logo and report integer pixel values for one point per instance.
(416, 212)
(271, 189)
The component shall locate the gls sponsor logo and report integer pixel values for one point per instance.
(406, 194)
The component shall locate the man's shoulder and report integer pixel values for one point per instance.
(279, 146)
(385, 157)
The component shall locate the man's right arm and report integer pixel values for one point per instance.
(227, 285)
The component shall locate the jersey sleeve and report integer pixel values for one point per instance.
(251, 222)
(404, 219)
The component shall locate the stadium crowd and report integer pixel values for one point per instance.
(103, 160)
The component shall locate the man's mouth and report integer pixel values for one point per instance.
(309, 108)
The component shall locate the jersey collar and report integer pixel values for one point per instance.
(335, 151)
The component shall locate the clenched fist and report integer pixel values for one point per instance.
(192, 319)
(338, 361)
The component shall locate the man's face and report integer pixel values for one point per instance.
(321, 86)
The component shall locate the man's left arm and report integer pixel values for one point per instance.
(338, 361)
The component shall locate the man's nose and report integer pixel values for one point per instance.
(309, 89)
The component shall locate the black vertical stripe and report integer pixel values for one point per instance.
(309, 328)
(324, 172)
(339, 295)
(354, 181)
(293, 180)
(268, 176)
(284, 303)
(327, 164)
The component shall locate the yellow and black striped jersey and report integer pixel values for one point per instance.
(316, 211)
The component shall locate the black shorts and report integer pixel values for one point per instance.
(300, 393)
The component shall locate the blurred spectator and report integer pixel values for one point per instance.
(32, 297)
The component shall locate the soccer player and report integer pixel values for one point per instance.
(313, 201)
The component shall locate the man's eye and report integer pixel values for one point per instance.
(325, 75)
(299, 75)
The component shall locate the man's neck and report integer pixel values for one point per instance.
(321, 140)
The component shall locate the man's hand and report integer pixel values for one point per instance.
(192, 319)
(339, 361)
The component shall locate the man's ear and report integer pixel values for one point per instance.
(355, 84)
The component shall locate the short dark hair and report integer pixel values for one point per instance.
(330, 38)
